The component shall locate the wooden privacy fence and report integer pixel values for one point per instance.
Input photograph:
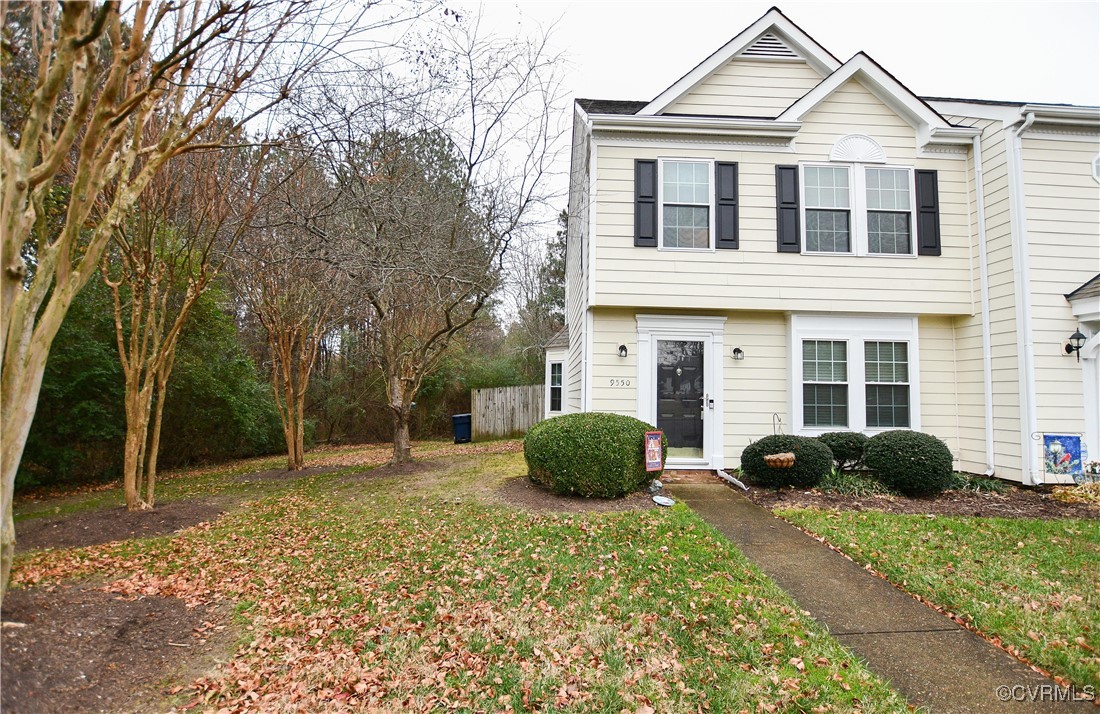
(505, 411)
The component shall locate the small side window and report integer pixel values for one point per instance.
(555, 386)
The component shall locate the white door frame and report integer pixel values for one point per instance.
(711, 332)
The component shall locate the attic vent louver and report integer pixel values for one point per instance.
(768, 46)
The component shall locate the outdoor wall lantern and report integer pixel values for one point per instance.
(622, 351)
(738, 354)
(1076, 342)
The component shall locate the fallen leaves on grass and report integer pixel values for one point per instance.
(412, 605)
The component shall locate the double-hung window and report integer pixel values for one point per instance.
(828, 209)
(555, 386)
(686, 195)
(854, 373)
(886, 370)
(858, 209)
(825, 383)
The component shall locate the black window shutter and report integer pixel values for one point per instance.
(645, 203)
(788, 236)
(725, 205)
(928, 213)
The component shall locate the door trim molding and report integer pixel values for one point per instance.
(711, 330)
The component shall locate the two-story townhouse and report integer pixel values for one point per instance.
(782, 240)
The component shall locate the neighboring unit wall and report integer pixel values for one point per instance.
(754, 88)
(756, 277)
(576, 267)
(939, 391)
(1062, 204)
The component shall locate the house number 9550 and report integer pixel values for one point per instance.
(620, 382)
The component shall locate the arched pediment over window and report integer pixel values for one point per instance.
(858, 148)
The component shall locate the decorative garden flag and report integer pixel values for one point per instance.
(653, 460)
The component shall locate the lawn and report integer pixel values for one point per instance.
(422, 591)
(1031, 585)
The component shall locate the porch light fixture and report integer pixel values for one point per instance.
(738, 354)
(622, 351)
(1076, 342)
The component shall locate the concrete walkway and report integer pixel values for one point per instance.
(932, 661)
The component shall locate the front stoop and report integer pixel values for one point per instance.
(927, 657)
(671, 476)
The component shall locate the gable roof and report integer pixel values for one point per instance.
(1090, 289)
(610, 106)
(772, 22)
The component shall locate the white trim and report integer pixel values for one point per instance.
(559, 359)
(1096, 168)
(672, 143)
(711, 331)
(586, 372)
(774, 22)
(891, 92)
(983, 274)
(592, 216)
(855, 330)
(1030, 467)
(711, 126)
(711, 180)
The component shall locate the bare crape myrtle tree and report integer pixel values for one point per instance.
(77, 150)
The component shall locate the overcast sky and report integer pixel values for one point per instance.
(1020, 51)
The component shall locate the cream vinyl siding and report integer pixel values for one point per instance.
(576, 273)
(756, 277)
(939, 411)
(743, 87)
(1002, 306)
(757, 386)
(967, 329)
(1062, 202)
(611, 328)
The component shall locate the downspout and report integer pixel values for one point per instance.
(983, 272)
(1024, 341)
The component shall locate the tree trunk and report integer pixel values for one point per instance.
(138, 403)
(401, 406)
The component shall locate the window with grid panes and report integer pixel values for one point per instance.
(889, 206)
(685, 204)
(824, 383)
(828, 209)
(886, 373)
(555, 386)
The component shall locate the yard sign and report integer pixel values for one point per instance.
(653, 451)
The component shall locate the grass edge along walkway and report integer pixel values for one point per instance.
(930, 659)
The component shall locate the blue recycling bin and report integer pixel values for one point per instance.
(462, 427)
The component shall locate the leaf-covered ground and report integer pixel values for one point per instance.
(1031, 585)
(420, 592)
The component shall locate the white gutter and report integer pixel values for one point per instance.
(983, 268)
(1025, 343)
(718, 126)
(1047, 114)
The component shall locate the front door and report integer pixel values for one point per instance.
(680, 396)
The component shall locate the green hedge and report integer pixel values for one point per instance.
(910, 462)
(812, 461)
(593, 454)
(847, 448)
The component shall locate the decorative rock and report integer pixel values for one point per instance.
(655, 486)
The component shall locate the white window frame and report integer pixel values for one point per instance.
(855, 330)
(847, 382)
(550, 386)
(661, 203)
(857, 201)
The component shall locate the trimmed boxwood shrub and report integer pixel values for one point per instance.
(592, 454)
(910, 462)
(812, 461)
(847, 448)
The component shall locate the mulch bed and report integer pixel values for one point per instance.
(405, 469)
(529, 496)
(1016, 503)
(112, 524)
(283, 474)
(84, 650)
